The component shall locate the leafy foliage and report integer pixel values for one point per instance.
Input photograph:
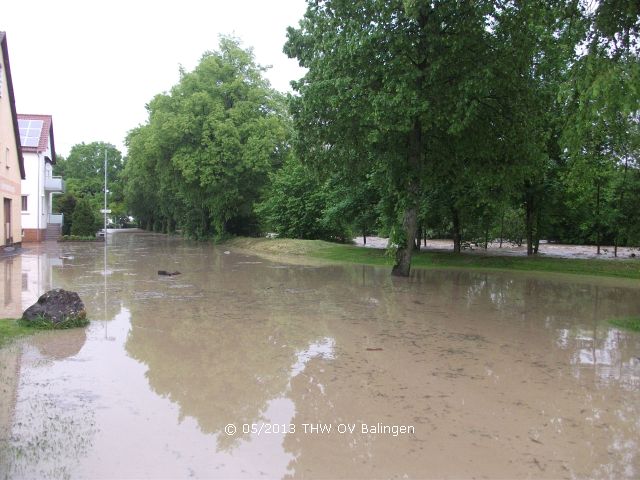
(83, 171)
(202, 159)
(85, 221)
(296, 204)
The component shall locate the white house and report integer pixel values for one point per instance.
(39, 186)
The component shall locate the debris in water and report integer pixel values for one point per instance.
(535, 460)
(374, 349)
(168, 274)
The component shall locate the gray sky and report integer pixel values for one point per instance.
(95, 65)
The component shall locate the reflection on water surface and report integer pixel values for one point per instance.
(501, 375)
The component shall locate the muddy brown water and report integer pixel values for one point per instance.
(217, 372)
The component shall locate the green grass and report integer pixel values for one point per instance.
(42, 323)
(630, 323)
(334, 252)
(11, 328)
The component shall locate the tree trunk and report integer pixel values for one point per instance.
(501, 228)
(402, 266)
(529, 222)
(364, 236)
(418, 240)
(620, 202)
(536, 236)
(457, 237)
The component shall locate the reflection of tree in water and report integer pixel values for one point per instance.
(576, 312)
(223, 357)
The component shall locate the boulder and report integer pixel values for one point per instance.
(56, 306)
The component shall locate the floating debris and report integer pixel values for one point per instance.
(168, 274)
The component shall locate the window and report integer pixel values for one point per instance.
(6, 157)
(24, 203)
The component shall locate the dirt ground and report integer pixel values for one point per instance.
(546, 249)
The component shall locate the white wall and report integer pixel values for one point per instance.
(33, 187)
(36, 169)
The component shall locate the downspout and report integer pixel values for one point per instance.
(38, 201)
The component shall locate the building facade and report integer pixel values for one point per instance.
(11, 162)
(39, 187)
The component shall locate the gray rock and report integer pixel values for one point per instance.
(57, 306)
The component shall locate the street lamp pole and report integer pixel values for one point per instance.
(106, 336)
(105, 194)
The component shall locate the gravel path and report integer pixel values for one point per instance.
(546, 249)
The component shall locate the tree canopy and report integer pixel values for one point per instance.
(203, 157)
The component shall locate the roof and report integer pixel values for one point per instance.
(45, 127)
(12, 100)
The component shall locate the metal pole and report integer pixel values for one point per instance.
(105, 194)
(106, 336)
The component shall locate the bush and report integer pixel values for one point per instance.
(66, 204)
(295, 205)
(79, 238)
(85, 222)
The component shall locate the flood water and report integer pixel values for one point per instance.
(217, 372)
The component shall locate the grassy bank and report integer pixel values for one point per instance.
(317, 249)
(10, 329)
(629, 323)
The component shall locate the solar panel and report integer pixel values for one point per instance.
(30, 132)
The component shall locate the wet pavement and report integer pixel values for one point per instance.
(242, 367)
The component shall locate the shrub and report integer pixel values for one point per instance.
(85, 222)
(80, 238)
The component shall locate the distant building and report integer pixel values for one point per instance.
(11, 162)
(39, 151)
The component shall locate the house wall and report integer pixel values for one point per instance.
(9, 167)
(34, 219)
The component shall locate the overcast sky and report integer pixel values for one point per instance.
(95, 65)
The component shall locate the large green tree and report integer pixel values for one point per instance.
(208, 147)
(83, 172)
(386, 81)
(602, 105)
